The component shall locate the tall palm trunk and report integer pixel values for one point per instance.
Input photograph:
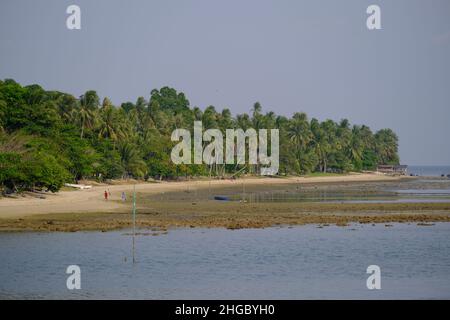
(82, 129)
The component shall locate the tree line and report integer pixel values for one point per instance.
(48, 138)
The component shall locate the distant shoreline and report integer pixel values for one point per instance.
(91, 200)
(185, 204)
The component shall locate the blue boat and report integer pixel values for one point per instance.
(221, 198)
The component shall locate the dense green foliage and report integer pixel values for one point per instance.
(48, 138)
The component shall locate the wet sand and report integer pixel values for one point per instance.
(160, 217)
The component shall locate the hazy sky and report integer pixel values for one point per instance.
(312, 56)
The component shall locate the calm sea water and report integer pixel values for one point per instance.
(273, 263)
(419, 190)
(429, 171)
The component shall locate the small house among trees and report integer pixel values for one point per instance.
(393, 169)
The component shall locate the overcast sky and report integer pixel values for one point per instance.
(312, 56)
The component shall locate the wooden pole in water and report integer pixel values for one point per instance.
(209, 182)
(243, 189)
(134, 222)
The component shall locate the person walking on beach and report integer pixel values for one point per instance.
(106, 195)
(124, 196)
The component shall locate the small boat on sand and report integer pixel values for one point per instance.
(78, 186)
(221, 198)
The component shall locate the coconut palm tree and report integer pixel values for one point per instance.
(386, 145)
(299, 131)
(355, 148)
(110, 127)
(325, 142)
(2, 115)
(256, 116)
(131, 160)
(87, 111)
(243, 121)
(269, 120)
(210, 117)
(300, 135)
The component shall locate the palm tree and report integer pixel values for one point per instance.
(110, 127)
(153, 111)
(141, 104)
(67, 105)
(366, 136)
(386, 144)
(269, 120)
(2, 114)
(281, 122)
(299, 134)
(298, 130)
(131, 160)
(197, 113)
(225, 120)
(343, 135)
(87, 111)
(324, 142)
(209, 118)
(355, 147)
(320, 144)
(243, 121)
(256, 116)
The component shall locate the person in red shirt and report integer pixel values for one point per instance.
(106, 195)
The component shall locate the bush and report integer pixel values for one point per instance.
(32, 171)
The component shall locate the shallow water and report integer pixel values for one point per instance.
(409, 191)
(336, 197)
(273, 263)
(430, 171)
(431, 192)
